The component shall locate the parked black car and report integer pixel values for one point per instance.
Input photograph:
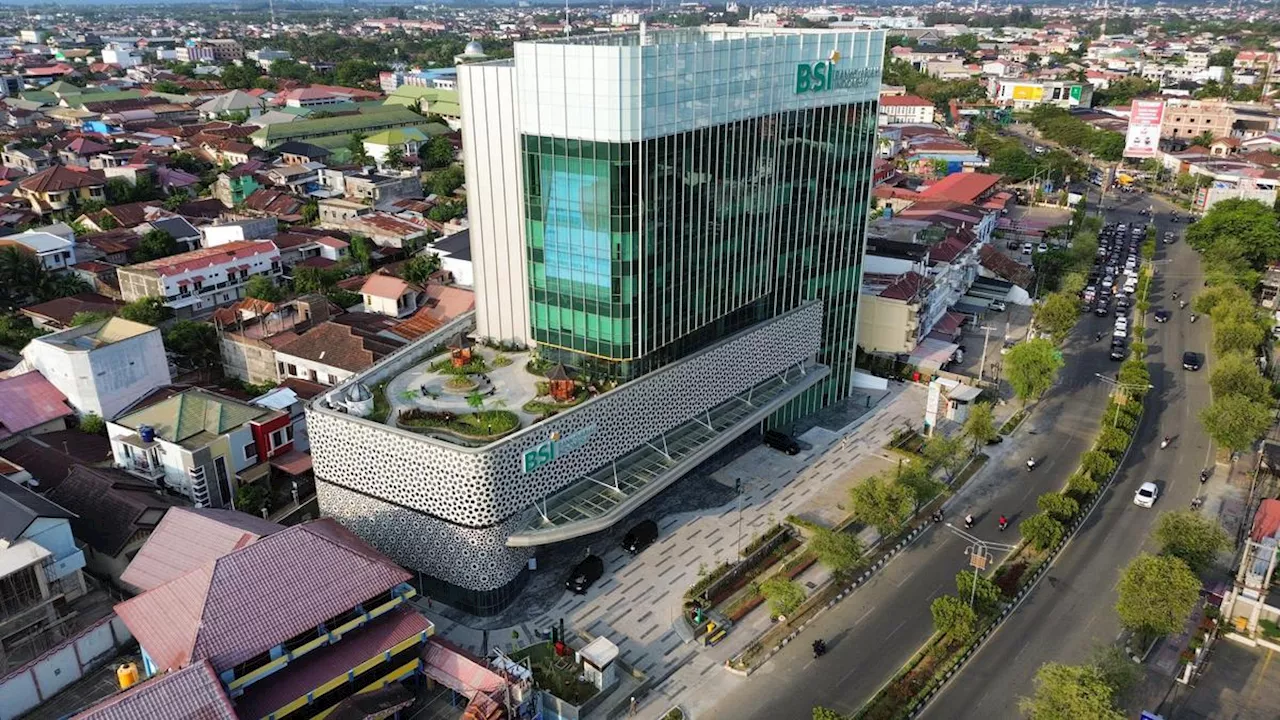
(782, 442)
(1191, 361)
(584, 574)
(640, 537)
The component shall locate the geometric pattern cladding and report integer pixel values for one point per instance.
(482, 493)
(473, 559)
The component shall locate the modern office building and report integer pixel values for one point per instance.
(677, 215)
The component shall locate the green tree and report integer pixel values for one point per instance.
(1246, 226)
(1192, 537)
(169, 87)
(1135, 377)
(1057, 314)
(310, 211)
(1082, 485)
(444, 183)
(420, 267)
(980, 425)
(1157, 593)
(196, 342)
(881, 504)
(945, 452)
(155, 244)
(1204, 139)
(251, 498)
(263, 288)
(93, 423)
(1112, 440)
(361, 249)
(917, 477)
(239, 77)
(822, 713)
(395, 157)
(784, 595)
(1098, 465)
(1058, 506)
(1235, 422)
(355, 145)
(1031, 368)
(1237, 337)
(446, 211)
(986, 595)
(85, 317)
(436, 153)
(1042, 531)
(953, 616)
(1071, 692)
(149, 310)
(839, 551)
(1119, 671)
(1237, 373)
(475, 400)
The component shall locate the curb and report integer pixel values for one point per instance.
(861, 580)
(1026, 590)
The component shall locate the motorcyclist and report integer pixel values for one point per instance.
(1182, 304)
(1031, 463)
(819, 647)
(1004, 522)
(968, 520)
(937, 515)
(1165, 443)
(1204, 476)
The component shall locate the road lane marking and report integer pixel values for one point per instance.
(864, 615)
(1262, 674)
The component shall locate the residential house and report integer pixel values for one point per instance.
(54, 253)
(454, 252)
(311, 98)
(299, 179)
(200, 445)
(61, 188)
(297, 247)
(250, 331)
(391, 296)
(330, 353)
(26, 160)
(380, 188)
(232, 103)
(101, 367)
(388, 230)
(272, 203)
(229, 231)
(290, 625)
(114, 514)
(40, 569)
(237, 183)
(30, 405)
(337, 212)
(442, 304)
(905, 109)
(186, 539)
(196, 282)
(298, 153)
(404, 140)
(1252, 600)
(59, 313)
(79, 151)
(981, 221)
(274, 134)
(186, 235)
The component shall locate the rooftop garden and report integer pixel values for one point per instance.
(479, 424)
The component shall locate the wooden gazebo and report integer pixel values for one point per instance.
(460, 349)
(563, 388)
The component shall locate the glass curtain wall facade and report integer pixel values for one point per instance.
(642, 252)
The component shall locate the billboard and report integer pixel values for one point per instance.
(1028, 92)
(1143, 137)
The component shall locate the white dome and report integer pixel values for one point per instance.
(359, 393)
(473, 48)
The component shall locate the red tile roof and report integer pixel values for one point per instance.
(961, 187)
(250, 600)
(188, 538)
(60, 178)
(192, 693)
(62, 310)
(316, 668)
(206, 257)
(27, 401)
(338, 346)
(906, 287)
(904, 101)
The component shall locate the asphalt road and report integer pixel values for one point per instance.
(872, 633)
(1072, 609)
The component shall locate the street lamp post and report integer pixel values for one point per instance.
(979, 553)
(985, 339)
(1121, 386)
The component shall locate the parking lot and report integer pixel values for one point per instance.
(1114, 280)
(1009, 326)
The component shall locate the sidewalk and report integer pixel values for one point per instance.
(639, 601)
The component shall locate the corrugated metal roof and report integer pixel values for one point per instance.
(250, 600)
(187, 415)
(27, 401)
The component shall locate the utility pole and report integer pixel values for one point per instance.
(985, 339)
(979, 553)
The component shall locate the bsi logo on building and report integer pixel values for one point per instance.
(825, 75)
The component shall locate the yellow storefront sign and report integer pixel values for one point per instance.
(1027, 92)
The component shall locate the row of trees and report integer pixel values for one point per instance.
(1058, 125)
(1238, 239)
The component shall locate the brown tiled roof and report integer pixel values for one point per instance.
(304, 389)
(274, 202)
(62, 310)
(27, 401)
(336, 345)
(250, 600)
(188, 538)
(113, 506)
(191, 693)
(59, 178)
(131, 214)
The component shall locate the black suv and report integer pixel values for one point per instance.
(1191, 361)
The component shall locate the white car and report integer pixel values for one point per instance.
(1146, 495)
(997, 306)
(1120, 332)
(1026, 248)
(1043, 247)
(1122, 322)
